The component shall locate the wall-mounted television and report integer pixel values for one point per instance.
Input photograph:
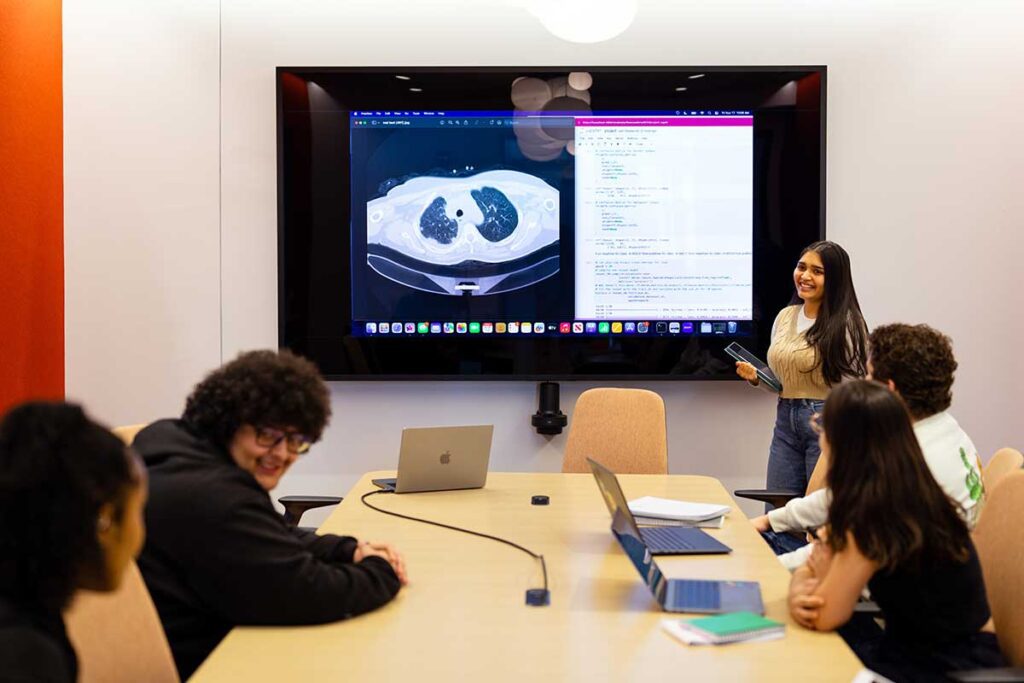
(542, 222)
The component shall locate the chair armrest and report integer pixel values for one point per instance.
(295, 506)
(867, 607)
(999, 675)
(776, 497)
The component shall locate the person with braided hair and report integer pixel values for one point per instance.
(71, 502)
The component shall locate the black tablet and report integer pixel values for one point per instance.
(764, 373)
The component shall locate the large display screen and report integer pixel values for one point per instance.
(494, 222)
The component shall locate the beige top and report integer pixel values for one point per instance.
(463, 618)
(793, 361)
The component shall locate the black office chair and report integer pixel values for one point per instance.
(775, 497)
(296, 506)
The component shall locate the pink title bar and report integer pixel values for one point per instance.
(648, 121)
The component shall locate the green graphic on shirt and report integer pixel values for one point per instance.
(972, 479)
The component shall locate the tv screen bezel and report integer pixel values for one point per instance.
(288, 338)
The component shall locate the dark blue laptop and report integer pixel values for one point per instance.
(674, 595)
(668, 540)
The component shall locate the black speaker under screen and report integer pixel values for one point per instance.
(542, 222)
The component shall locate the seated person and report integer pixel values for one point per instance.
(219, 555)
(917, 363)
(893, 529)
(71, 499)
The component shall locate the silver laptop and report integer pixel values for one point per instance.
(441, 459)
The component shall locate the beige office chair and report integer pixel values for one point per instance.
(127, 432)
(1005, 461)
(118, 636)
(999, 538)
(623, 429)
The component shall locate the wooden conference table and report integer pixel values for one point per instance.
(463, 616)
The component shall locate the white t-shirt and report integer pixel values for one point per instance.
(951, 457)
(803, 323)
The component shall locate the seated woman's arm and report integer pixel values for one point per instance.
(837, 579)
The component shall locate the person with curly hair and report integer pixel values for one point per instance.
(219, 555)
(71, 500)
(916, 362)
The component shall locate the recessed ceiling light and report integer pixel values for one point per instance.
(415, 89)
(681, 88)
(402, 78)
(584, 21)
(694, 76)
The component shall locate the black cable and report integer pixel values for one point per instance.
(543, 564)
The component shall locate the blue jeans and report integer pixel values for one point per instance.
(782, 542)
(794, 451)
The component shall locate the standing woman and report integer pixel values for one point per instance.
(71, 499)
(818, 340)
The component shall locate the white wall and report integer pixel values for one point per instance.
(924, 169)
(141, 203)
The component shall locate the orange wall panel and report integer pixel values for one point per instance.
(31, 202)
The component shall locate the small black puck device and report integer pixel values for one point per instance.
(548, 419)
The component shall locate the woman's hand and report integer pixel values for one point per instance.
(821, 556)
(383, 550)
(804, 606)
(747, 372)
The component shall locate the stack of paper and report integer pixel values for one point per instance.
(713, 523)
(678, 510)
(724, 628)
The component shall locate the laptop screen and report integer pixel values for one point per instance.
(624, 526)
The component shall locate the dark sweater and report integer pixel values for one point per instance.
(34, 647)
(218, 555)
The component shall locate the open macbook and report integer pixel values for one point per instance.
(674, 595)
(441, 459)
(658, 540)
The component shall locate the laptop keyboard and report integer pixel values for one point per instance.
(659, 538)
(693, 594)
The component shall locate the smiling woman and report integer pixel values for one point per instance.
(219, 554)
(817, 341)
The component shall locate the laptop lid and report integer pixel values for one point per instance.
(443, 458)
(623, 521)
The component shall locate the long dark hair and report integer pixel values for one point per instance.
(839, 334)
(882, 490)
(57, 468)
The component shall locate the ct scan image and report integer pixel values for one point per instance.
(488, 233)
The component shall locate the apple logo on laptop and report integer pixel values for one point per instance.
(446, 458)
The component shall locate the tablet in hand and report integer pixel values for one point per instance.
(764, 373)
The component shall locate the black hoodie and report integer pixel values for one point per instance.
(218, 555)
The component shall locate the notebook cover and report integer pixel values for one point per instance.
(734, 624)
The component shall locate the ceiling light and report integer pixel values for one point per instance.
(681, 88)
(695, 76)
(584, 21)
(402, 78)
(415, 89)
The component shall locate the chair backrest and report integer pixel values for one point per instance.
(818, 474)
(1005, 460)
(127, 432)
(623, 429)
(999, 538)
(118, 635)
